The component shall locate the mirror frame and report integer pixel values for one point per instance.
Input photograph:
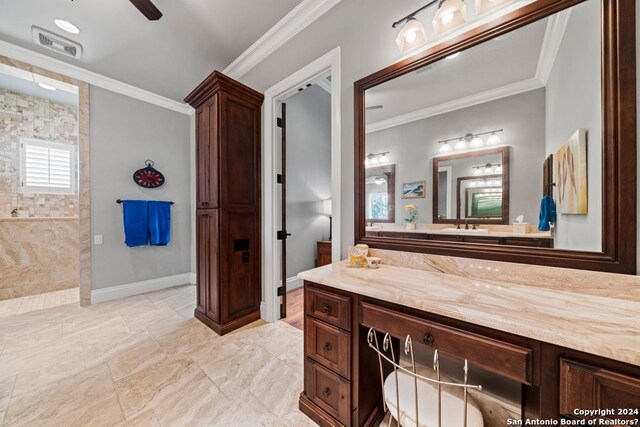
(504, 151)
(618, 65)
(390, 171)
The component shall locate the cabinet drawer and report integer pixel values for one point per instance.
(328, 346)
(328, 390)
(331, 308)
(590, 387)
(503, 358)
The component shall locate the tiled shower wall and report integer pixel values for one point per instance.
(38, 254)
(27, 116)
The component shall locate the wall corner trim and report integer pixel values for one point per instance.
(130, 289)
(43, 61)
(293, 22)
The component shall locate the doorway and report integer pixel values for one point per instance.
(324, 71)
(44, 197)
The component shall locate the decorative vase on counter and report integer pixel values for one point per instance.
(410, 225)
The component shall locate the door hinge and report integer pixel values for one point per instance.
(280, 122)
(280, 178)
(281, 291)
(282, 234)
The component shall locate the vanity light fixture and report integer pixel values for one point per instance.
(411, 36)
(470, 140)
(379, 180)
(444, 147)
(451, 14)
(453, 55)
(460, 145)
(66, 26)
(375, 158)
(476, 142)
(493, 139)
(489, 168)
(485, 6)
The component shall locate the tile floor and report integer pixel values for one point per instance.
(12, 307)
(145, 361)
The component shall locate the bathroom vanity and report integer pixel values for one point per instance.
(569, 350)
(528, 112)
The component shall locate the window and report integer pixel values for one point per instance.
(47, 167)
(378, 206)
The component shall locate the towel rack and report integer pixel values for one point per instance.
(120, 201)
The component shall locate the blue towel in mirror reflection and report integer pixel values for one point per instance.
(547, 213)
(146, 221)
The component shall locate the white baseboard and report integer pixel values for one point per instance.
(263, 308)
(123, 291)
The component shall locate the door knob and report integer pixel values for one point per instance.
(326, 309)
(326, 392)
(326, 348)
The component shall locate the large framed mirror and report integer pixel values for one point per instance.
(530, 114)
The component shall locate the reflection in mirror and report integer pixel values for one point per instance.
(380, 192)
(493, 129)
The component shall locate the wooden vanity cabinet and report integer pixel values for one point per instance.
(228, 191)
(323, 253)
(342, 376)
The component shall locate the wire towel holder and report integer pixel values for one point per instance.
(387, 350)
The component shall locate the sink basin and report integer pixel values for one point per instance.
(463, 231)
(373, 228)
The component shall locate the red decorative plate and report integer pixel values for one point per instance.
(148, 177)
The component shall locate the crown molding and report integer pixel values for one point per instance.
(43, 61)
(553, 36)
(295, 21)
(457, 104)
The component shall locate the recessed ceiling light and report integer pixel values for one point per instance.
(453, 55)
(46, 86)
(67, 26)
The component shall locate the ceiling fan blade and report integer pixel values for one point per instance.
(148, 9)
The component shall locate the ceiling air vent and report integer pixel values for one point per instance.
(56, 43)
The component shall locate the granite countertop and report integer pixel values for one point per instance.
(607, 327)
(536, 235)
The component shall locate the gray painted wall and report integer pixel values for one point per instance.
(412, 147)
(308, 175)
(573, 102)
(123, 133)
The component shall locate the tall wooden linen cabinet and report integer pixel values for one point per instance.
(228, 226)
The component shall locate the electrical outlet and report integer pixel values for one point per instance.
(97, 239)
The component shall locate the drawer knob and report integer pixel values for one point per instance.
(428, 339)
(326, 347)
(326, 309)
(326, 392)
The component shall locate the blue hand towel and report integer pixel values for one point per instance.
(160, 223)
(547, 213)
(136, 222)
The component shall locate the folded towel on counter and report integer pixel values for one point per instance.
(160, 223)
(547, 213)
(136, 222)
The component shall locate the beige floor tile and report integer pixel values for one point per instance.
(154, 384)
(187, 338)
(62, 397)
(280, 390)
(6, 388)
(144, 419)
(33, 303)
(144, 361)
(101, 413)
(98, 349)
(235, 374)
(135, 359)
(196, 403)
(294, 419)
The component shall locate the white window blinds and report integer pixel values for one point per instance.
(46, 167)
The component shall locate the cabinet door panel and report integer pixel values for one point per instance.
(240, 263)
(240, 153)
(207, 227)
(588, 387)
(202, 156)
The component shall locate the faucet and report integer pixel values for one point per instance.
(466, 224)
